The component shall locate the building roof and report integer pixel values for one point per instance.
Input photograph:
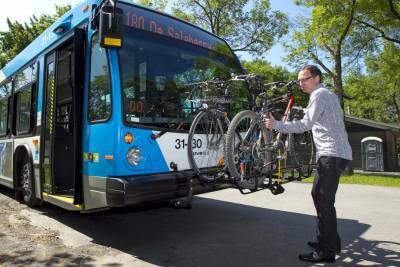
(372, 123)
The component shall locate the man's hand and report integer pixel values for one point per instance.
(270, 121)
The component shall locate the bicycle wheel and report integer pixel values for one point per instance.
(302, 151)
(206, 144)
(249, 157)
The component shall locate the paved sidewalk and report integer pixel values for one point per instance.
(224, 228)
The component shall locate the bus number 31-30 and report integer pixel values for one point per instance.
(182, 143)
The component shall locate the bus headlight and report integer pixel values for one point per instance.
(133, 156)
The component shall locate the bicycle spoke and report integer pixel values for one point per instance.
(207, 144)
(247, 141)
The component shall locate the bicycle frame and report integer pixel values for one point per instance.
(263, 113)
(290, 98)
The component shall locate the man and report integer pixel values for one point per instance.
(324, 116)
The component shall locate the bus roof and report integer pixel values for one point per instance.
(76, 16)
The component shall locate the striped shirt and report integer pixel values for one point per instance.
(324, 116)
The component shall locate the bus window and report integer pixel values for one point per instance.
(5, 92)
(25, 83)
(3, 116)
(64, 87)
(24, 101)
(99, 91)
(25, 77)
(155, 71)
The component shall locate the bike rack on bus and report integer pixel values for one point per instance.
(186, 200)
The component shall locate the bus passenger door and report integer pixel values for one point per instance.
(48, 125)
(77, 110)
(62, 125)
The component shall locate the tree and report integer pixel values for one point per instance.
(381, 17)
(381, 84)
(264, 68)
(158, 5)
(273, 74)
(20, 35)
(247, 25)
(326, 39)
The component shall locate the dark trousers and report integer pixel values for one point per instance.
(323, 193)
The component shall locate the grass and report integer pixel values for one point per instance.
(391, 181)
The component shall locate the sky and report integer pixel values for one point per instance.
(288, 7)
(21, 10)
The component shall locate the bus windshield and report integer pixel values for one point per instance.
(156, 70)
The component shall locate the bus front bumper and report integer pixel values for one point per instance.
(129, 190)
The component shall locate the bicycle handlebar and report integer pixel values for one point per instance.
(216, 82)
(248, 77)
(282, 84)
(251, 79)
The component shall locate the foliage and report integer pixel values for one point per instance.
(363, 179)
(247, 25)
(381, 84)
(20, 35)
(158, 5)
(342, 33)
(325, 39)
(273, 74)
(381, 18)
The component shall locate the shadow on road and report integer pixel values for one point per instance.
(219, 233)
(370, 253)
(26, 258)
(214, 233)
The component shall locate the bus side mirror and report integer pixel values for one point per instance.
(110, 28)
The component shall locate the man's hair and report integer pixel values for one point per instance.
(314, 71)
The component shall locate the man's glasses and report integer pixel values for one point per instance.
(305, 79)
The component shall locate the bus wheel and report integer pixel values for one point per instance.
(27, 187)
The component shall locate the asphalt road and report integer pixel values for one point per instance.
(224, 228)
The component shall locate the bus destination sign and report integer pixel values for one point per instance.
(155, 22)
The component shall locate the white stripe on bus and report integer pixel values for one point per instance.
(2, 76)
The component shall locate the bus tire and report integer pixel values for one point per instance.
(26, 183)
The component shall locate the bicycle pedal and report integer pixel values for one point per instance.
(277, 188)
(226, 176)
(222, 175)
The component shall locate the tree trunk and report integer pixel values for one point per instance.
(338, 83)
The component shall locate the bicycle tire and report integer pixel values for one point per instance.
(249, 152)
(208, 128)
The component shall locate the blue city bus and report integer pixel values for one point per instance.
(92, 112)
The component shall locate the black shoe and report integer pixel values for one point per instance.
(315, 257)
(314, 245)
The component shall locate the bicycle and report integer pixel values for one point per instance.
(206, 138)
(261, 153)
(206, 152)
